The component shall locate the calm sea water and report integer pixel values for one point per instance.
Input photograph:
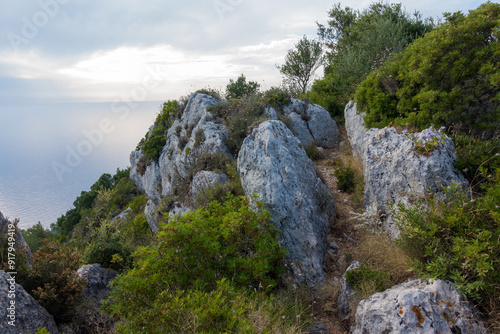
(49, 153)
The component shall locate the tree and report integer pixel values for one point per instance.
(448, 77)
(240, 88)
(301, 63)
(359, 42)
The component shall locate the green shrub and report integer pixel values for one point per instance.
(240, 88)
(456, 239)
(219, 192)
(312, 151)
(365, 279)
(105, 244)
(199, 138)
(477, 159)
(153, 146)
(345, 177)
(138, 203)
(447, 77)
(198, 268)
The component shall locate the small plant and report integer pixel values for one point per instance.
(345, 177)
(370, 218)
(368, 281)
(312, 151)
(199, 138)
(210, 91)
(428, 140)
(183, 142)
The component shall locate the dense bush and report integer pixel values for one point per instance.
(201, 257)
(360, 42)
(52, 279)
(457, 238)
(35, 235)
(449, 77)
(345, 176)
(241, 88)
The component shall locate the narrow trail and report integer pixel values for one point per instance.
(325, 308)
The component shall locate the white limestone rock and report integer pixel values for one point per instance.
(418, 306)
(273, 165)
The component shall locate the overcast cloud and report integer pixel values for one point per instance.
(58, 50)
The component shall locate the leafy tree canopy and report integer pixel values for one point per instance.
(241, 88)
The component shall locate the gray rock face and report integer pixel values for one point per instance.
(355, 128)
(151, 216)
(150, 182)
(312, 124)
(396, 173)
(428, 306)
(175, 161)
(205, 179)
(25, 314)
(347, 294)
(98, 279)
(273, 165)
(179, 153)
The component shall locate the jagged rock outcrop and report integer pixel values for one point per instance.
(176, 160)
(419, 306)
(159, 179)
(396, 173)
(311, 122)
(346, 294)
(273, 165)
(20, 243)
(146, 178)
(98, 279)
(21, 313)
(355, 128)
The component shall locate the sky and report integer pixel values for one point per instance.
(95, 51)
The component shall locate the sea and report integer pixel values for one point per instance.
(51, 152)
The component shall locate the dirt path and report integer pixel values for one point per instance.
(343, 234)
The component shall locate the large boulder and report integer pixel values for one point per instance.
(21, 313)
(311, 122)
(205, 179)
(98, 279)
(419, 306)
(273, 165)
(396, 173)
(355, 128)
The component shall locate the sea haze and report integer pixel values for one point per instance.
(52, 152)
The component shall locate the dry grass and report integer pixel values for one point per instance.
(379, 253)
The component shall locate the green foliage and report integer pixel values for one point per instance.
(345, 176)
(153, 146)
(312, 151)
(199, 138)
(360, 42)
(477, 159)
(240, 88)
(456, 239)
(52, 280)
(154, 143)
(35, 235)
(301, 63)
(364, 276)
(195, 268)
(446, 77)
(105, 245)
(138, 203)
